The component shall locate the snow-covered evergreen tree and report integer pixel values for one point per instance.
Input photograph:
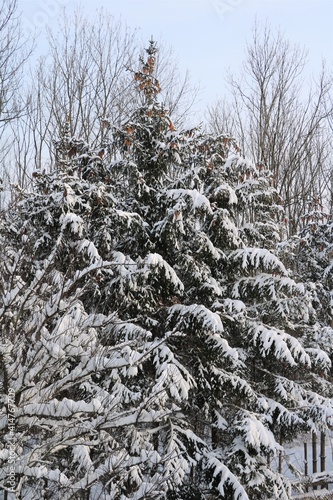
(86, 420)
(157, 345)
(309, 256)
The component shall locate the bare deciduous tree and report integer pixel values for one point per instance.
(86, 76)
(278, 120)
(83, 76)
(15, 49)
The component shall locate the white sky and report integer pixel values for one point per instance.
(208, 36)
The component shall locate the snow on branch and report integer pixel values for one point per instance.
(199, 319)
(171, 375)
(256, 435)
(267, 285)
(283, 416)
(257, 258)
(282, 345)
(224, 476)
(155, 260)
(198, 201)
(236, 383)
(60, 409)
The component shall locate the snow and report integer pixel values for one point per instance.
(129, 217)
(257, 257)
(328, 270)
(223, 345)
(144, 491)
(64, 408)
(211, 284)
(221, 220)
(69, 196)
(234, 305)
(284, 415)
(81, 455)
(156, 260)
(171, 374)
(236, 382)
(90, 248)
(233, 200)
(282, 345)
(257, 435)
(131, 331)
(319, 357)
(43, 472)
(271, 287)
(199, 201)
(225, 477)
(74, 221)
(209, 320)
(9, 297)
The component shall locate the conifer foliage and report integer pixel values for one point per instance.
(156, 344)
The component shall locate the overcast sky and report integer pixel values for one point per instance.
(208, 36)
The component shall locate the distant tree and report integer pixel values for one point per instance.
(84, 73)
(14, 53)
(277, 121)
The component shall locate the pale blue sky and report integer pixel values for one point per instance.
(208, 36)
